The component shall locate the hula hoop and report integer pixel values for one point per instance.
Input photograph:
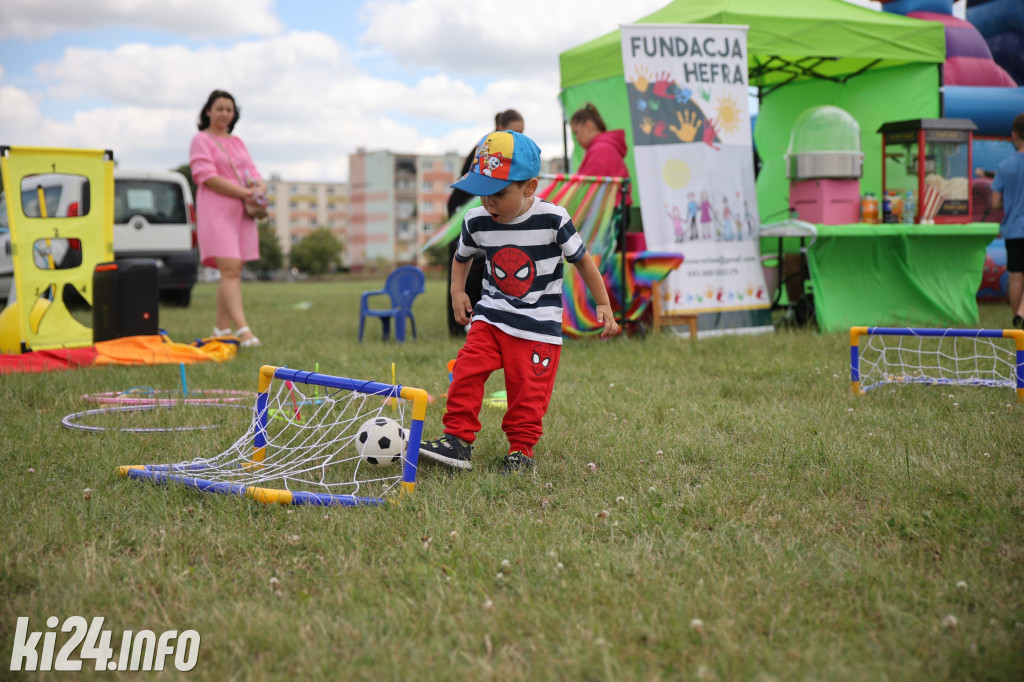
(69, 422)
(143, 395)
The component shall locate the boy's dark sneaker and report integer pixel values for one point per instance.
(447, 450)
(1018, 322)
(517, 461)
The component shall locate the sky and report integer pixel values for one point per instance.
(314, 79)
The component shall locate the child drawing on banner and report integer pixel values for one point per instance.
(727, 232)
(677, 223)
(751, 222)
(692, 208)
(705, 215)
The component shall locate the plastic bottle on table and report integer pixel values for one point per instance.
(869, 209)
(908, 208)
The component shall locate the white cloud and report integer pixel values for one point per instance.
(506, 39)
(33, 20)
(175, 75)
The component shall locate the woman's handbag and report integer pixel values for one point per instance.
(254, 209)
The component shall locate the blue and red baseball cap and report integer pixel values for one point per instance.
(502, 157)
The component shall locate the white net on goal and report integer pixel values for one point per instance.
(301, 445)
(954, 357)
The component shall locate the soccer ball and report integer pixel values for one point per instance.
(381, 441)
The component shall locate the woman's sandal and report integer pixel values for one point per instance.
(249, 342)
(221, 332)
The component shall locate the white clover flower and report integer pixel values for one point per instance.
(949, 622)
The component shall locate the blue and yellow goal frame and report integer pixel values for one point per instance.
(188, 474)
(856, 332)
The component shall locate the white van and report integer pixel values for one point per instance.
(154, 217)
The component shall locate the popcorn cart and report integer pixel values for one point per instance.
(926, 162)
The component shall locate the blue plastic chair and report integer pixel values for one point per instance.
(402, 286)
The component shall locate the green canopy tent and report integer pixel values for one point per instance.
(801, 53)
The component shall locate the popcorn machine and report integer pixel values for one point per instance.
(927, 161)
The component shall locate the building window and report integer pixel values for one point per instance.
(427, 207)
(428, 185)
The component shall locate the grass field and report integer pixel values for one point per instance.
(746, 518)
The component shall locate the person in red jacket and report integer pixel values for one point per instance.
(605, 149)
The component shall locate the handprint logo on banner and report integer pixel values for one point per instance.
(670, 113)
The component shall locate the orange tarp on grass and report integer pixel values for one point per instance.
(130, 350)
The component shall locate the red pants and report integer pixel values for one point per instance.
(530, 369)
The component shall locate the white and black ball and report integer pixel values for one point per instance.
(381, 441)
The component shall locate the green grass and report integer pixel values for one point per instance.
(814, 534)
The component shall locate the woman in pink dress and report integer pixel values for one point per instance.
(225, 178)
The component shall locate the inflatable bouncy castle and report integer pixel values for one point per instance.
(974, 84)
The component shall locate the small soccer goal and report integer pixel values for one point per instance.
(314, 439)
(946, 357)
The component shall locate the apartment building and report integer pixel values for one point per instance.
(391, 204)
(397, 201)
(297, 208)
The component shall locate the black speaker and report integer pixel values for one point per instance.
(125, 299)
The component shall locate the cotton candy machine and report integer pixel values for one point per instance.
(824, 164)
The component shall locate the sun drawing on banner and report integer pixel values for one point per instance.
(675, 174)
(729, 115)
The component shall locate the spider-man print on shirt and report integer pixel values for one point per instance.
(513, 271)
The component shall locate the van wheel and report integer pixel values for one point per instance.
(177, 297)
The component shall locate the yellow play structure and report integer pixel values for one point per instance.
(56, 242)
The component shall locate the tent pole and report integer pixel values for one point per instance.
(565, 148)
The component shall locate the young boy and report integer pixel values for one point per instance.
(1008, 194)
(517, 325)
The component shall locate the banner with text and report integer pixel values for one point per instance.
(693, 154)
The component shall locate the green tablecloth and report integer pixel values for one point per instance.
(905, 275)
